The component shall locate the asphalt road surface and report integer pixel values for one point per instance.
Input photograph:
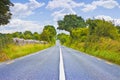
(59, 63)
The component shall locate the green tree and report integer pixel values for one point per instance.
(17, 34)
(118, 28)
(48, 34)
(79, 34)
(71, 22)
(28, 35)
(64, 38)
(102, 28)
(5, 14)
(91, 24)
(36, 36)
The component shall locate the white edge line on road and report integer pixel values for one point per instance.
(61, 67)
(10, 62)
(107, 62)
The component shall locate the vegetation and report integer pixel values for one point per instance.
(71, 22)
(48, 34)
(9, 50)
(64, 38)
(26, 35)
(13, 51)
(102, 28)
(100, 38)
(5, 14)
(5, 39)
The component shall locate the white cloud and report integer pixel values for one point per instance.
(66, 7)
(89, 7)
(22, 10)
(21, 25)
(58, 15)
(61, 13)
(63, 4)
(109, 4)
(108, 18)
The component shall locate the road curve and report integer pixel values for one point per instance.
(45, 65)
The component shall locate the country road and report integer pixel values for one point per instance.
(59, 63)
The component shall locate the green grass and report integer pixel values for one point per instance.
(107, 55)
(106, 49)
(13, 51)
(113, 57)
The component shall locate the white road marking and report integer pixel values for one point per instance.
(99, 59)
(10, 62)
(108, 63)
(61, 67)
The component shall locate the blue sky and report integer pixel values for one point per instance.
(33, 15)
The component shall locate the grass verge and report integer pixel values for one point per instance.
(13, 51)
(113, 57)
(106, 49)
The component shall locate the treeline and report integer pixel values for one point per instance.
(94, 36)
(48, 34)
(9, 50)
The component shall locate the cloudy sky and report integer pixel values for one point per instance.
(34, 14)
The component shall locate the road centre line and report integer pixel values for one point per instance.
(61, 67)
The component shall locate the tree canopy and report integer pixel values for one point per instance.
(71, 22)
(118, 28)
(79, 34)
(28, 35)
(102, 28)
(64, 38)
(48, 33)
(36, 36)
(5, 13)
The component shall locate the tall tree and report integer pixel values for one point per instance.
(36, 36)
(79, 34)
(28, 35)
(5, 13)
(102, 28)
(48, 33)
(64, 38)
(71, 22)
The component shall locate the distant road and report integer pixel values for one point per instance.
(56, 63)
